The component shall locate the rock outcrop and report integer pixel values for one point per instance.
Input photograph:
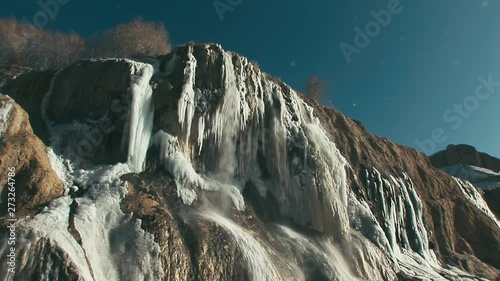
(35, 181)
(492, 197)
(238, 177)
(443, 207)
(465, 162)
(464, 154)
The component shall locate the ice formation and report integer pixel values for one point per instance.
(260, 265)
(5, 108)
(109, 244)
(141, 115)
(264, 135)
(475, 197)
(187, 99)
(273, 120)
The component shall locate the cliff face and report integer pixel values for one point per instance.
(464, 154)
(482, 170)
(198, 166)
(23, 154)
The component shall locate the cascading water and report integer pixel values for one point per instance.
(260, 265)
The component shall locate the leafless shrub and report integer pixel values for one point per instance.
(255, 64)
(14, 42)
(316, 87)
(137, 38)
(27, 45)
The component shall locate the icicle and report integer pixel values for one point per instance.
(186, 178)
(98, 221)
(141, 115)
(178, 165)
(201, 133)
(187, 99)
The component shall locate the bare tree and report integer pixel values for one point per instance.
(137, 38)
(67, 48)
(27, 45)
(316, 87)
(13, 36)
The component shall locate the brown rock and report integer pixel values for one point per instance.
(492, 197)
(28, 89)
(449, 217)
(464, 154)
(36, 183)
(191, 249)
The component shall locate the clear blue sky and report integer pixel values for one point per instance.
(426, 60)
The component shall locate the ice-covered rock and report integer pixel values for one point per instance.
(216, 167)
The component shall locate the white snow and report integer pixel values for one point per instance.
(313, 189)
(480, 177)
(107, 174)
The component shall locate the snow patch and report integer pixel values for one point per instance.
(480, 177)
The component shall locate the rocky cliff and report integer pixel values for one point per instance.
(480, 169)
(198, 166)
(464, 154)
